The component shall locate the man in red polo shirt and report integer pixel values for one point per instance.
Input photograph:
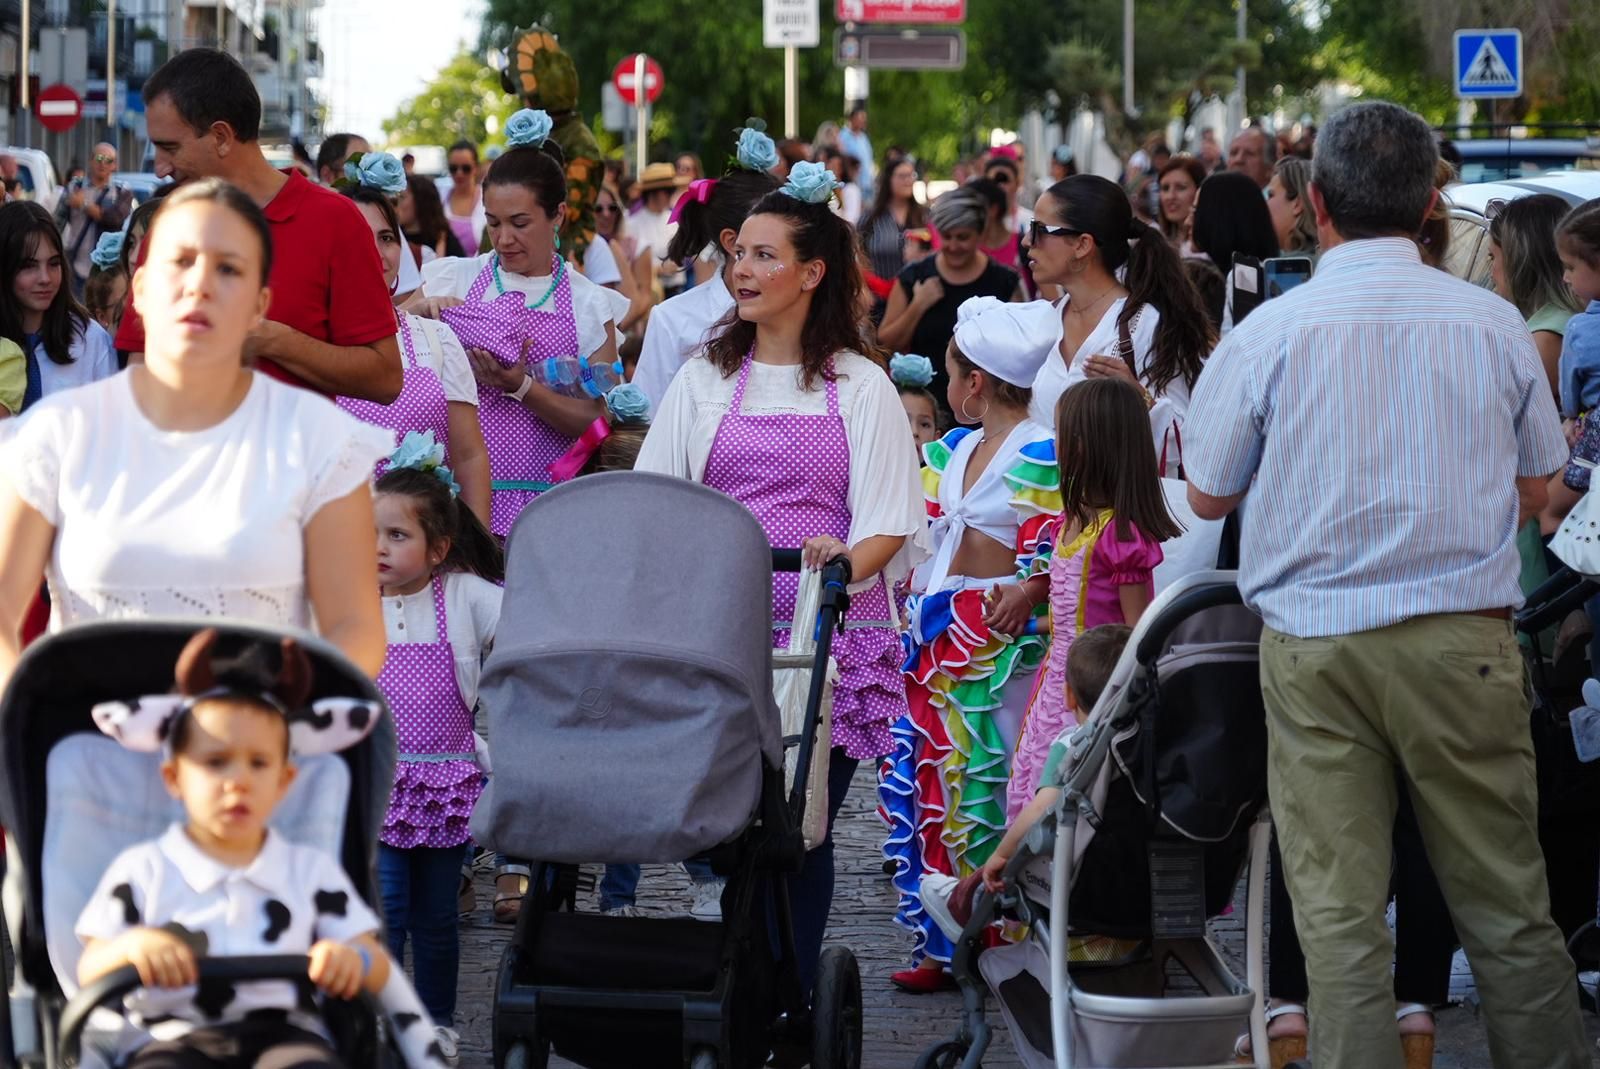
(330, 325)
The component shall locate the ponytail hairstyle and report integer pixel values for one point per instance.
(834, 323)
(1107, 459)
(711, 205)
(442, 515)
(1098, 207)
(532, 161)
(1578, 234)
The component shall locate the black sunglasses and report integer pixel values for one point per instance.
(607, 208)
(1038, 230)
(463, 168)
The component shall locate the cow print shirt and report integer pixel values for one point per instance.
(287, 899)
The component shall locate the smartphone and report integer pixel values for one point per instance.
(1284, 273)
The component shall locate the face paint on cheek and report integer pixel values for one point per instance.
(774, 271)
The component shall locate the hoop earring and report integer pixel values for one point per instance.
(968, 416)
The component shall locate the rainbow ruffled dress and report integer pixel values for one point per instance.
(1085, 574)
(942, 789)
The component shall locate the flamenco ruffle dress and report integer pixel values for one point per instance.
(942, 788)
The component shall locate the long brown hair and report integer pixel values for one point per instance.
(1107, 459)
(441, 515)
(26, 230)
(834, 324)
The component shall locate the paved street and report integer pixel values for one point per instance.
(898, 1026)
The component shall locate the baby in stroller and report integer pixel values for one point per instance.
(222, 882)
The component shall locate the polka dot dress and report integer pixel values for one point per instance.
(436, 779)
(421, 405)
(521, 445)
(793, 472)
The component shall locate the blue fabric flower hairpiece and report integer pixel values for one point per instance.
(376, 170)
(107, 251)
(528, 127)
(756, 151)
(627, 403)
(811, 183)
(910, 369)
(419, 450)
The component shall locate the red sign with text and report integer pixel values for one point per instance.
(925, 12)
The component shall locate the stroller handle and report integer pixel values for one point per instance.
(790, 560)
(1557, 596)
(120, 982)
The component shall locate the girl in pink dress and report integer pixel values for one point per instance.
(1099, 557)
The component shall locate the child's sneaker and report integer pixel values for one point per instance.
(948, 901)
(707, 900)
(449, 1042)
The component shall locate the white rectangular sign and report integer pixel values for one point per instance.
(791, 23)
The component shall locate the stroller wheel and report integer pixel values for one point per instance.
(836, 1012)
(526, 1056)
(947, 1055)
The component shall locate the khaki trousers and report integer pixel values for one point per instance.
(1444, 700)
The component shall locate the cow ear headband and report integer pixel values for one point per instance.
(327, 725)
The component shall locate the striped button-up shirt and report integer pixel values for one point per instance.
(1378, 416)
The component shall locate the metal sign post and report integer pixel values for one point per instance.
(641, 127)
(791, 92)
(27, 47)
(791, 25)
(111, 73)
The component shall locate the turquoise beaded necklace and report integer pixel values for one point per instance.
(555, 282)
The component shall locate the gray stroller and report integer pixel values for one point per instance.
(1163, 807)
(632, 719)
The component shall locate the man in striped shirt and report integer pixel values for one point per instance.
(1388, 427)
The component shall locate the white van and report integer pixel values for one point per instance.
(38, 174)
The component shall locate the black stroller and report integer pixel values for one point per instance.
(632, 719)
(71, 799)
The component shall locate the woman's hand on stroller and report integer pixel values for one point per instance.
(816, 552)
(1008, 610)
(993, 880)
(161, 958)
(343, 969)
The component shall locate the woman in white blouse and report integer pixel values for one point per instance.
(784, 415)
(1129, 310)
(192, 485)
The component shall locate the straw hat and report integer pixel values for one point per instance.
(659, 176)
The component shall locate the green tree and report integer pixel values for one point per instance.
(464, 100)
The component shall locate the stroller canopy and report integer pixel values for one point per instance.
(630, 689)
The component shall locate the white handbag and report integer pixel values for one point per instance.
(791, 686)
(1577, 541)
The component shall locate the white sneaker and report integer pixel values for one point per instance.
(449, 1044)
(936, 888)
(622, 911)
(707, 900)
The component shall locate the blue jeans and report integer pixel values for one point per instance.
(811, 889)
(620, 884)
(419, 888)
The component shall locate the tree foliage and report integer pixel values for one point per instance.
(464, 100)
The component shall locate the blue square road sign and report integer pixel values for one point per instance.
(1488, 64)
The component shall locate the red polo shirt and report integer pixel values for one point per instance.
(327, 281)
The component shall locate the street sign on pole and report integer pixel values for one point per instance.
(926, 12)
(59, 108)
(1488, 64)
(627, 81)
(791, 23)
(906, 50)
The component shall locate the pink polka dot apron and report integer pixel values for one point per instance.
(793, 473)
(421, 405)
(521, 445)
(436, 779)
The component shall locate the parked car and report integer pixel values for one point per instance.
(1503, 159)
(37, 172)
(1471, 206)
(143, 183)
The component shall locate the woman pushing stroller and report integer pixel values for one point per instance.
(784, 414)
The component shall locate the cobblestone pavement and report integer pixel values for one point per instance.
(897, 1026)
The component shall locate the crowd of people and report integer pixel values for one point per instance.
(1000, 407)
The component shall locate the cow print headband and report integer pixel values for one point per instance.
(327, 725)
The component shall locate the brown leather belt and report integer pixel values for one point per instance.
(1492, 614)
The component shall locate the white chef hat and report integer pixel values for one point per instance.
(1010, 341)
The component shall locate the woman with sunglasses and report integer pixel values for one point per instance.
(1145, 324)
(463, 202)
(632, 264)
(921, 317)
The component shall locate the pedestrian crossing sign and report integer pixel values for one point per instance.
(1488, 64)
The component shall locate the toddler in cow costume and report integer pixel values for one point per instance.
(222, 883)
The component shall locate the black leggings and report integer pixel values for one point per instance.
(255, 1043)
(1425, 940)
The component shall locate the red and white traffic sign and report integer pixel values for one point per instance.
(59, 108)
(623, 79)
(926, 12)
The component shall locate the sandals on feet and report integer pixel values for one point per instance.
(1281, 1050)
(1416, 1046)
(507, 904)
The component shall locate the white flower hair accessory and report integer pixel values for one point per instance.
(528, 127)
(810, 183)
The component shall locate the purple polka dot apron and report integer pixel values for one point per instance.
(521, 445)
(421, 405)
(436, 778)
(793, 473)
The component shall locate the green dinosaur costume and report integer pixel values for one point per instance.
(545, 77)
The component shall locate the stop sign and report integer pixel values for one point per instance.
(59, 108)
(622, 78)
